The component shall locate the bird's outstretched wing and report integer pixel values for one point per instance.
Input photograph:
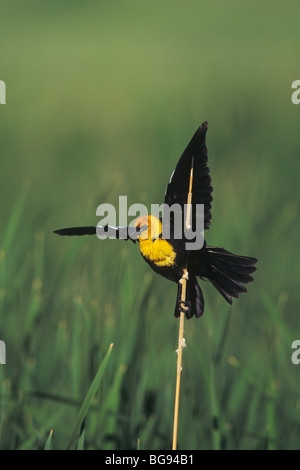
(76, 231)
(124, 233)
(178, 187)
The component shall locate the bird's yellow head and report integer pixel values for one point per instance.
(150, 227)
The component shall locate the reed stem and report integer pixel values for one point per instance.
(181, 341)
(181, 345)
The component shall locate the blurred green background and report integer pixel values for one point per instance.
(102, 98)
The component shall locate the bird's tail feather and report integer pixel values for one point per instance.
(228, 272)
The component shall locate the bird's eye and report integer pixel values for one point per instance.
(141, 228)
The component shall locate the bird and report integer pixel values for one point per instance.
(170, 256)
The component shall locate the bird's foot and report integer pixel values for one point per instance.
(184, 305)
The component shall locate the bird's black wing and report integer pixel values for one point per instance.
(124, 233)
(76, 231)
(178, 187)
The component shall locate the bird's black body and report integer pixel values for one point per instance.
(169, 256)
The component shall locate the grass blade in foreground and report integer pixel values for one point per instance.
(88, 400)
(49, 440)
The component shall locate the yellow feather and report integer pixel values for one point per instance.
(158, 251)
(154, 249)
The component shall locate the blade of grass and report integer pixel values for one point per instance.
(15, 216)
(81, 438)
(49, 440)
(11, 228)
(88, 399)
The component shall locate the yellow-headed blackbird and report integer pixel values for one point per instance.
(169, 256)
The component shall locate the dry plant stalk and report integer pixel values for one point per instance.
(181, 341)
(181, 345)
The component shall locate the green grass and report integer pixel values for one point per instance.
(101, 101)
